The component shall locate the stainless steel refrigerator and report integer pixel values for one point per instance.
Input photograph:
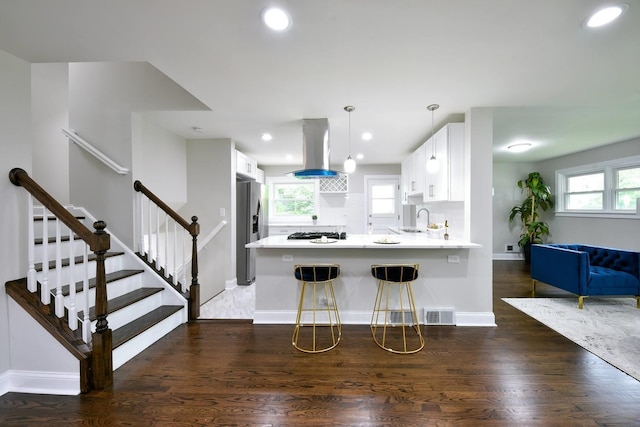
(250, 226)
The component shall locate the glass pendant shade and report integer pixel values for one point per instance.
(433, 165)
(349, 165)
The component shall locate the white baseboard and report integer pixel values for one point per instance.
(517, 256)
(58, 383)
(364, 318)
(230, 284)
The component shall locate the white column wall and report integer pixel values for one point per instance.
(15, 151)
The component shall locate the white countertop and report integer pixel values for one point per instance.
(365, 241)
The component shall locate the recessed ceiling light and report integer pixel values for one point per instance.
(367, 136)
(519, 147)
(360, 156)
(606, 15)
(266, 137)
(289, 157)
(275, 18)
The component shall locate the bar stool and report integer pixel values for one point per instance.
(394, 323)
(317, 309)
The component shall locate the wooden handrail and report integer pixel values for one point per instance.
(194, 230)
(99, 242)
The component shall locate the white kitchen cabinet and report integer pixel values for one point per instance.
(418, 162)
(405, 179)
(447, 184)
(246, 166)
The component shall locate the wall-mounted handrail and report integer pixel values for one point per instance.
(95, 152)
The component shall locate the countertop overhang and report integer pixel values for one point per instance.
(365, 241)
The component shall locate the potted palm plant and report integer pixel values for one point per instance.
(538, 197)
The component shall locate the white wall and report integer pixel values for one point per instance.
(160, 161)
(102, 97)
(211, 187)
(613, 232)
(50, 114)
(507, 195)
(15, 151)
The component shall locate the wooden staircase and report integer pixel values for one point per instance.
(141, 306)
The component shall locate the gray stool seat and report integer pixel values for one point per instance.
(317, 309)
(394, 323)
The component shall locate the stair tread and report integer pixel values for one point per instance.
(39, 241)
(78, 260)
(122, 301)
(53, 217)
(110, 277)
(141, 324)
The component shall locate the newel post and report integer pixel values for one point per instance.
(194, 290)
(102, 340)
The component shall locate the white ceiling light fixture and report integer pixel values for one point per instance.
(349, 164)
(266, 137)
(519, 147)
(367, 136)
(606, 15)
(432, 164)
(276, 19)
(360, 156)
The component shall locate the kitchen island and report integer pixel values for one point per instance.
(444, 282)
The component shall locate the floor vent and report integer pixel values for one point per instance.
(439, 316)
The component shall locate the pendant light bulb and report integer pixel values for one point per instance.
(433, 165)
(349, 164)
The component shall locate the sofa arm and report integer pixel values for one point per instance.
(563, 268)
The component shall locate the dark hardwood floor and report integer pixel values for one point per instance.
(232, 373)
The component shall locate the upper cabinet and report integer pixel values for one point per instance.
(419, 186)
(246, 166)
(448, 182)
(413, 176)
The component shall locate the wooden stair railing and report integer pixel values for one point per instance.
(154, 260)
(99, 242)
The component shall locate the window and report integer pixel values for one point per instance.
(627, 188)
(292, 198)
(609, 188)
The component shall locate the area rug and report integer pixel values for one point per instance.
(606, 327)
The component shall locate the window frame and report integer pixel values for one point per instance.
(291, 219)
(609, 169)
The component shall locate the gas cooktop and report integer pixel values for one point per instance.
(309, 235)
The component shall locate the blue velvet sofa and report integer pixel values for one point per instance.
(587, 270)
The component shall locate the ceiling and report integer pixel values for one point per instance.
(553, 82)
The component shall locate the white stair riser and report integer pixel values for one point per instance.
(114, 289)
(125, 315)
(111, 264)
(78, 250)
(135, 346)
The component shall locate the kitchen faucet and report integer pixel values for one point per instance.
(428, 215)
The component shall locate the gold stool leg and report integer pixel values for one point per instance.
(332, 319)
(387, 325)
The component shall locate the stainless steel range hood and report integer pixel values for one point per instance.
(315, 150)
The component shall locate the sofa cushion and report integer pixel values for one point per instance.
(602, 278)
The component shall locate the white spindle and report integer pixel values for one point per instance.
(72, 309)
(59, 299)
(175, 253)
(157, 237)
(166, 245)
(184, 263)
(140, 228)
(149, 250)
(86, 322)
(45, 296)
(32, 282)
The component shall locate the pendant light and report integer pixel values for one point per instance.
(349, 164)
(432, 164)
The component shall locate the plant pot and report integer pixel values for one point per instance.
(527, 252)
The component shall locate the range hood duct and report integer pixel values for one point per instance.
(315, 150)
